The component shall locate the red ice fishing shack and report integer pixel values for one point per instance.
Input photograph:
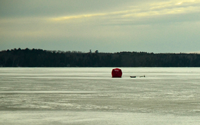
(116, 73)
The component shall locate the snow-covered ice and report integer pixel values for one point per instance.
(88, 96)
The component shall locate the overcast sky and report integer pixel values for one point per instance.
(157, 26)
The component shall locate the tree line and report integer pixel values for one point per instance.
(44, 58)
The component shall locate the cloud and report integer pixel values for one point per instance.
(76, 16)
(138, 12)
(90, 24)
(67, 10)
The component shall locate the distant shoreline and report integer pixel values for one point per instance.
(43, 58)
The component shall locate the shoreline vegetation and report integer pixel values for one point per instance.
(45, 58)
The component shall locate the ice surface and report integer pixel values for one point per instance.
(88, 96)
(92, 118)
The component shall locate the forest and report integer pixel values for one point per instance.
(45, 58)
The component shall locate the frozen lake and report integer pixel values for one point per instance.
(89, 96)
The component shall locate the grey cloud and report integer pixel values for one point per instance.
(22, 8)
(10, 8)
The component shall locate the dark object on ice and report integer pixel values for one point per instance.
(116, 73)
(135, 76)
